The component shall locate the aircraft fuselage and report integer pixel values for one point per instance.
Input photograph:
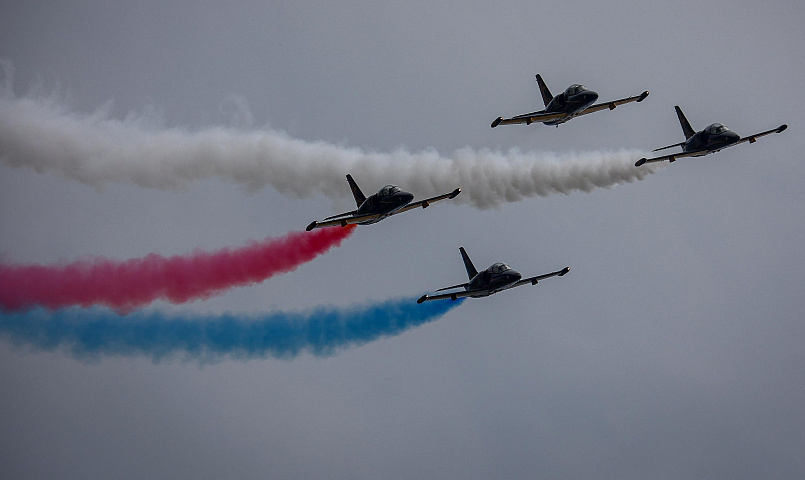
(492, 280)
(385, 202)
(571, 102)
(710, 140)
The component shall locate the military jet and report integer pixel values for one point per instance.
(575, 101)
(712, 139)
(388, 201)
(494, 279)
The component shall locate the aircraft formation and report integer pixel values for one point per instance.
(575, 101)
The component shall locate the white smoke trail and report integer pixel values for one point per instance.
(40, 133)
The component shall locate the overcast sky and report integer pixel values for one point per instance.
(673, 349)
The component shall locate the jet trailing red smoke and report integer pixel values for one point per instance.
(124, 285)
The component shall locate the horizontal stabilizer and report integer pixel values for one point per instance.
(669, 146)
(452, 296)
(460, 285)
(345, 214)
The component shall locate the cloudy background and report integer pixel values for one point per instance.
(674, 349)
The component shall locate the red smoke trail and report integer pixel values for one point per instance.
(123, 285)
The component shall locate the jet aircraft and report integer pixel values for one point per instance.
(494, 279)
(576, 100)
(388, 201)
(712, 139)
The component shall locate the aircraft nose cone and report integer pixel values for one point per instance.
(726, 138)
(590, 96)
(406, 197)
(513, 276)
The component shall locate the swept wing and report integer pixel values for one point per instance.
(753, 138)
(426, 203)
(535, 280)
(672, 157)
(611, 105)
(529, 118)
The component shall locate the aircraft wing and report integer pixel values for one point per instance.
(670, 157)
(343, 220)
(426, 203)
(611, 105)
(535, 280)
(528, 118)
(753, 138)
(451, 296)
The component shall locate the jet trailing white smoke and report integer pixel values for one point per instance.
(40, 133)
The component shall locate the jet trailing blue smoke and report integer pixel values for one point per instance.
(93, 333)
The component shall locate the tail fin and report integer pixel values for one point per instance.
(689, 132)
(356, 192)
(471, 271)
(543, 89)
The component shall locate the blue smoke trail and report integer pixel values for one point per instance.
(91, 333)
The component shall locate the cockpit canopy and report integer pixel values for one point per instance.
(716, 129)
(499, 268)
(389, 190)
(575, 89)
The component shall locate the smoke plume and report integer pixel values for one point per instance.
(124, 285)
(40, 133)
(88, 334)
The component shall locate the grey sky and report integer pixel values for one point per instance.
(672, 350)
